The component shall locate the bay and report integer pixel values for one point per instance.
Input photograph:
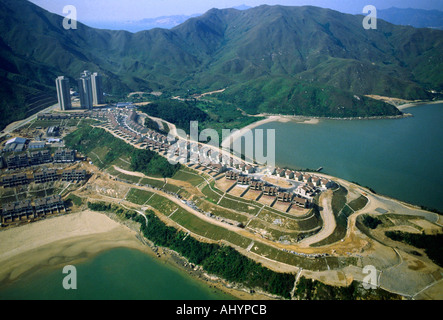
(400, 158)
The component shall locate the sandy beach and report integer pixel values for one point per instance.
(60, 240)
(274, 118)
(77, 237)
(415, 104)
(300, 119)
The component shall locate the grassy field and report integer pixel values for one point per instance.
(208, 230)
(358, 203)
(240, 205)
(171, 188)
(189, 176)
(221, 211)
(138, 196)
(273, 232)
(165, 206)
(153, 182)
(211, 194)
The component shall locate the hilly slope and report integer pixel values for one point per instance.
(302, 60)
(417, 18)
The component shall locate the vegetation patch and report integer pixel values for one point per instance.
(219, 260)
(308, 289)
(138, 196)
(91, 142)
(121, 212)
(371, 222)
(188, 176)
(359, 203)
(432, 244)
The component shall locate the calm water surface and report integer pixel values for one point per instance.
(400, 158)
(117, 274)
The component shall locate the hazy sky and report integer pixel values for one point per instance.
(122, 10)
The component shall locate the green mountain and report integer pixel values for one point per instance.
(302, 60)
(417, 18)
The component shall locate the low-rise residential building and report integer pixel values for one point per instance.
(9, 181)
(17, 210)
(269, 170)
(217, 167)
(17, 161)
(48, 205)
(44, 176)
(244, 180)
(257, 185)
(36, 145)
(284, 196)
(298, 176)
(270, 190)
(248, 169)
(232, 175)
(280, 172)
(64, 155)
(316, 181)
(301, 202)
(40, 157)
(289, 174)
(305, 190)
(74, 175)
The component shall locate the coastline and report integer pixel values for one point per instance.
(271, 118)
(415, 104)
(55, 241)
(315, 120)
(76, 237)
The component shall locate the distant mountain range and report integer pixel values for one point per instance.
(417, 18)
(165, 22)
(276, 59)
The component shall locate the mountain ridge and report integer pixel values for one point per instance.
(288, 48)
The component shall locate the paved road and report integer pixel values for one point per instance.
(328, 218)
(18, 124)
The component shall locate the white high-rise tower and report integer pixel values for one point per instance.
(85, 90)
(63, 93)
(97, 90)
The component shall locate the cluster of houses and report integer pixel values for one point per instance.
(43, 176)
(25, 209)
(268, 190)
(124, 123)
(72, 115)
(26, 159)
(307, 178)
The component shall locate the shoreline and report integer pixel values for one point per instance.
(53, 241)
(314, 120)
(416, 104)
(79, 236)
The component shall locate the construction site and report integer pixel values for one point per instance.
(305, 223)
